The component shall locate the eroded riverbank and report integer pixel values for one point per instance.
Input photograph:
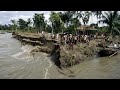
(62, 56)
(41, 66)
(17, 63)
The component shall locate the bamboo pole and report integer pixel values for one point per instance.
(114, 53)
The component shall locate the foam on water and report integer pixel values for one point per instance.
(47, 69)
(25, 54)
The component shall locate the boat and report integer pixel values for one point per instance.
(107, 52)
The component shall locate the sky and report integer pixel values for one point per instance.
(6, 16)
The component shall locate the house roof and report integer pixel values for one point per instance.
(85, 27)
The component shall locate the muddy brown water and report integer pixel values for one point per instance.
(17, 63)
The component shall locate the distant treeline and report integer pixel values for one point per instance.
(66, 21)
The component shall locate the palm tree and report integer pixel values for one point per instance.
(86, 16)
(78, 14)
(109, 19)
(98, 14)
(116, 25)
(66, 16)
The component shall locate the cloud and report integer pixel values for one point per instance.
(6, 16)
(20, 16)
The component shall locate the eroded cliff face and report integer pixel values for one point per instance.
(61, 55)
(80, 53)
(41, 44)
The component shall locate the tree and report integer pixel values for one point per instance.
(78, 14)
(22, 24)
(0, 27)
(66, 16)
(5, 27)
(14, 24)
(39, 22)
(86, 16)
(109, 18)
(98, 14)
(10, 26)
(56, 22)
(29, 22)
(71, 19)
(116, 25)
(76, 23)
(48, 28)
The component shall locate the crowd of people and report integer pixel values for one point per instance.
(73, 39)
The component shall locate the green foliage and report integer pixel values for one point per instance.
(66, 21)
(109, 18)
(14, 26)
(22, 24)
(70, 29)
(48, 28)
(98, 14)
(39, 22)
(103, 30)
(29, 22)
(86, 16)
(5, 27)
(75, 23)
(57, 23)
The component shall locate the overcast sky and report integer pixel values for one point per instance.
(6, 16)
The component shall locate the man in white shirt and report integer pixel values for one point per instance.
(85, 38)
(65, 38)
(115, 45)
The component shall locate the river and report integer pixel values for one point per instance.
(17, 63)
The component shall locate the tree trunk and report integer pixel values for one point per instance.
(39, 30)
(62, 31)
(111, 30)
(52, 32)
(117, 30)
(15, 28)
(28, 28)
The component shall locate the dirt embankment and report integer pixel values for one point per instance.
(41, 44)
(61, 55)
(80, 53)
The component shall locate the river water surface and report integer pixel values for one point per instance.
(17, 63)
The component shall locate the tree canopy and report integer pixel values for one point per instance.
(65, 21)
